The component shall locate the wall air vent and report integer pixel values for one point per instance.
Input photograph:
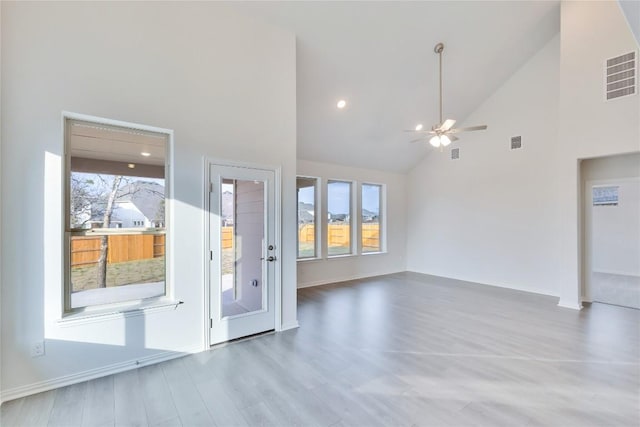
(621, 76)
(516, 142)
(455, 153)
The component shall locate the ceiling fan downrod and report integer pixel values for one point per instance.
(438, 49)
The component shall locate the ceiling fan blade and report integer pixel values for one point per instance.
(424, 138)
(469, 129)
(448, 124)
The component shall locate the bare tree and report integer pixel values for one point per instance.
(104, 240)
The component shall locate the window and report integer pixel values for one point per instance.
(307, 214)
(371, 218)
(339, 218)
(115, 214)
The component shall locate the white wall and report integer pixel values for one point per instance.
(0, 201)
(591, 32)
(491, 216)
(321, 271)
(510, 218)
(224, 84)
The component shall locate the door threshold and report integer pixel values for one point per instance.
(242, 339)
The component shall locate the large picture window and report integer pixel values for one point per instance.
(339, 218)
(307, 217)
(371, 221)
(116, 216)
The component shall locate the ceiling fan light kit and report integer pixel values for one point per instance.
(442, 134)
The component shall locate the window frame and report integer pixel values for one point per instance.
(318, 223)
(353, 231)
(123, 306)
(382, 218)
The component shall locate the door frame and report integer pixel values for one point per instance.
(587, 248)
(277, 171)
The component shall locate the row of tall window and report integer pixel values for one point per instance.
(353, 223)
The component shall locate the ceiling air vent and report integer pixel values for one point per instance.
(516, 142)
(621, 76)
(455, 153)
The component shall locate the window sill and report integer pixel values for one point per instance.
(341, 256)
(374, 253)
(309, 259)
(119, 312)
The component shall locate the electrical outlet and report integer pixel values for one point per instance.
(37, 349)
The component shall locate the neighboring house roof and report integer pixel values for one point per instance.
(146, 196)
(305, 212)
(304, 216)
(227, 205)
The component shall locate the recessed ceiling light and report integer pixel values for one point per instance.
(131, 165)
(419, 126)
(145, 154)
(342, 103)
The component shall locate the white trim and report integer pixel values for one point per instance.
(574, 305)
(288, 326)
(495, 285)
(341, 256)
(382, 217)
(169, 289)
(86, 317)
(323, 282)
(277, 171)
(206, 217)
(309, 259)
(353, 208)
(617, 273)
(118, 123)
(63, 381)
(317, 220)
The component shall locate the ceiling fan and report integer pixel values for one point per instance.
(443, 133)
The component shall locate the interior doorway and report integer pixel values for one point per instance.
(612, 230)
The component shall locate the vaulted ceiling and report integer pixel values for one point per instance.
(379, 57)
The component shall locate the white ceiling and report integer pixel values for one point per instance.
(102, 142)
(379, 57)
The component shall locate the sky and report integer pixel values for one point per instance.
(339, 194)
(108, 179)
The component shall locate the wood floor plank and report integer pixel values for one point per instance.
(36, 409)
(99, 402)
(403, 349)
(68, 406)
(189, 404)
(158, 402)
(220, 403)
(10, 412)
(129, 400)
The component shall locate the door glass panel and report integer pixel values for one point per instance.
(242, 244)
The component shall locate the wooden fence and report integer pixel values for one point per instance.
(85, 250)
(227, 237)
(340, 235)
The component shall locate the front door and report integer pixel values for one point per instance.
(243, 253)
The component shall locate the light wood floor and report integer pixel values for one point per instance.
(404, 349)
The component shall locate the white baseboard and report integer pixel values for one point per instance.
(287, 326)
(344, 279)
(495, 285)
(39, 387)
(574, 305)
